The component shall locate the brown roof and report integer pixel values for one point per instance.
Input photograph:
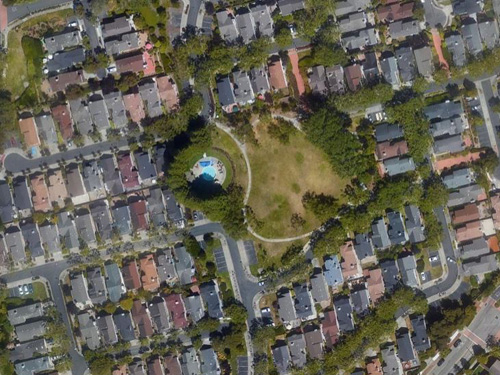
(314, 342)
(141, 319)
(353, 76)
(40, 194)
(172, 365)
(395, 12)
(154, 367)
(62, 117)
(138, 214)
(131, 276)
(57, 187)
(134, 63)
(175, 306)
(277, 78)
(375, 283)
(469, 212)
(351, 268)
(134, 106)
(149, 274)
(29, 132)
(168, 92)
(374, 367)
(386, 150)
(120, 370)
(495, 204)
(469, 231)
(330, 328)
(61, 81)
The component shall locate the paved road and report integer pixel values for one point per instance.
(17, 163)
(17, 12)
(51, 272)
(194, 9)
(453, 271)
(434, 16)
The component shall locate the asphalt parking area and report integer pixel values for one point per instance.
(220, 260)
(250, 252)
(242, 365)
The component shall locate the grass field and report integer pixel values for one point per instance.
(281, 174)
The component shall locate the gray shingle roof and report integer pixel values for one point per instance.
(465, 195)
(350, 6)
(451, 126)
(389, 68)
(29, 331)
(166, 266)
(360, 39)
(343, 309)
(84, 226)
(387, 132)
(470, 33)
(392, 365)
(259, 80)
(333, 271)
(287, 7)
(28, 349)
(363, 246)
(449, 144)
(15, 244)
(23, 314)
(458, 178)
(67, 230)
(408, 267)
(50, 238)
(122, 43)
(21, 193)
(353, 22)
(96, 286)
(124, 326)
(210, 294)
(319, 287)
(189, 362)
(114, 282)
(74, 181)
(317, 80)
(225, 92)
(208, 361)
(121, 219)
(245, 25)
(462, 7)
(79, 290)
(297, 347)
(89, 330)
(474, 248)
(92, 176)
(281, 357)
(414, 224)
(107, 329)
(303, 303)
(390, 274)
(102, 219)
(420, 338)
(6, 203)
(380, 236)
(286, 307)
(66, 59)
(404, 28)
(32, 239)
(243, 92)
(263, 21)
(81, 116)
(398, 165)
(149, 94)
(456, 47)
(60, 41)
(111, 175)
(227, 26)
(174, 211)
(406, 63)
(423, 59)
(335, 79)
(99, 112)
(485, 264)
(159, 314)
(115, 26)
(194, 307)
(46, 128)
(396, 228)
(145, 165)
(184, 265)
(34, 365)
(116, 108)
(488, 29)
(406, 352)
(361, 301)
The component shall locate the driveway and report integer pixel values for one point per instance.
(194, 10)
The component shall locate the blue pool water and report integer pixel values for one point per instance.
(205, 163)
(208, 173)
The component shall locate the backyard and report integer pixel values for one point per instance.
(281, 174)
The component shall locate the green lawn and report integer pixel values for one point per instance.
(39, 291)
(150, 15)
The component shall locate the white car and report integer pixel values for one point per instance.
(450, 259)
(422, 275)
(20, 290)
(433, 259)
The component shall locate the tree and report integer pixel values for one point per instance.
(192, 246)
(283, 37)
(127, 303)
(330, 240)
(237, 313)
(321, 205)
(103, 365)
(110, 307)
(8, 116)
(93, 63)
(254, 54)
(328, 56)
(435, 194)
(291, 255)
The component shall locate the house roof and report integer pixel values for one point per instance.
(34, 365)
(353, 22)
(396, 229)
(149, 94)
(406, 352)
(317, 80)
(303, 302)
(66, 59)
(29, 132)
(420, 338)
(194, 307)
(84, 226)
(175, 306)
(398, 165)
(189, 362)
(297, 346)
(166, 266)
(122, 43)
(259, 80)
(50, 238)
(40, 196)
(406, 63)
(137, 367)
(242, 87)
(319, 287)
(29, 331)
(404, 28)
(469, 231)
(67, 230)
(107, 329)
(139, 213)
(343, 310)
(114, 282)
(121, 219)
(375, 284)
(395, 12)
(156, 207)
(159, 314)
(472, 38)
(456, 47)
(208, 361)
(79, 290)
(444, 110)
(227, 26)
(388, 132)
(360, 39)
(111, 175)
(134, 106)
(171, 363)
(374, 367)
(330, 328)
(145, 165)
(115, 26)
(263, 21)
(485, 264)
(245, 25)
(74, 182)
(361, 301)
(98, 112)
(351, 268)
(59, 82)
(414, 224)
(353, 76)
(225, 92)
(380, 236)
(458, 178)
(465, 195)
(210, 293)
(149, 274)
(390, 149)
(46, 128)
(277, 78)
(169, 93)
(390, 274)
(102, 219)
(81, 116)
(184, 265)
(488, 29)
(92, 176)
(96, 286)
(363, 246)
(32, 239)
(155, 366)
(130, 177)
(28, 349)
(57, 188)
(124, 326)
(67, 38)
(116, 109)
(392, 365)
(469, 212)
(350, 6)
(451, 126)
(287, 7)
(23, 314)
(333, 271)
(89, 331)
(335, 79)
(389, 68)
(130, 64)
(461, 7)
(21, 193)
(408, 267)
(141, 319)
(423, 59)
(281, 357)
(286, 307)
(314, 341)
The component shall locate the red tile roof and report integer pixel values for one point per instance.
(141, 319)
(351, 268)
(149, 273)
(155, 367)
(172, 365)
(495, 204)
(469, 231)
(61, 81)
(375, 283)
(131, 276)
(138, 214)
(374, 367)
(395, 12)
(168, 92)
(330, 328)
(40, 196)
(387, 150)
(130, 177)
(175, 306)
(353, 76)
(29, 132)
(134, 106)
(61, 115)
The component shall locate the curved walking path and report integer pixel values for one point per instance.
(243, 150)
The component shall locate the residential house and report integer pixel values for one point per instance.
(363, 247)
(414, 224)
(458, 178)
(29, 131)
(15, 244)
(335, 79)
(156, 208)
(146, 167)
(50, 238)
(122, 223)
(469, 212)
(46, 129)
(130, 177)
(99, 112)
(370, 67)
(84, 226)
(91, 175)
(481, 266)
(488, 29)
(353, 76)
(209, 365)
(304, 307)
(380, 235)
(88, 330)
(40, 192)
(472, 38)
(329, 328)
(155, 366)
(404, 28)
(32, 240)
(116, 108)
(60, 82)
(184, 265)
(281, 357)
(149, 274)
(23, 314)
(225, 93)
(28, 350)
(107, 329)
(150, 96)
(130, 64)
(456, 47)
(388, 132)
(210, 294)
(353, 22)
(288, 7)
(245, 25)
(469, 231)
(141, 319)
(69, 37)
(406, 351)
(391, 149)
(319, 288)
(57, 188)
(391, 363)
(159, 314)
(475, 248)
(396, 229)
(123, 43)
(277, 77)
(420, 339)
(81, 117)
(263, 21)
(172, 364)
(21, 195)
(115, 26)
(314, 341)
(408, 267)
(34, 366)
(124, 326)
(351, 268)
(406, 63)
(390, 274)
(375, 284)
(317, 80)
(6, 203)
(361, 301)
(175, 307)
(168, 91)
(389, 68)
(297, 347)
(174, 210)
(160, 150)
(96, 286)
(79, 291)
(374, 367)
(189, 362)
(114, 282)
(194, 307)
(29, 331)
(333, 271)
(102, 219)
(343, 310)
(111, 175)
(139, 215)
(242, 88)
(66, 59)
(395, 11)
(134, 107)
(360, 39)
(398, 165)
(423, 59)
(462, 7)
(74, 184)
(227, 26)
(166, 267)
(286, 308)
(465, 195)
(136, 367)
(67, 230)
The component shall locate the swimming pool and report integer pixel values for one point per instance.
(208, 173)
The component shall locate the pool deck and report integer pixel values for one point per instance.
(210, 167)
